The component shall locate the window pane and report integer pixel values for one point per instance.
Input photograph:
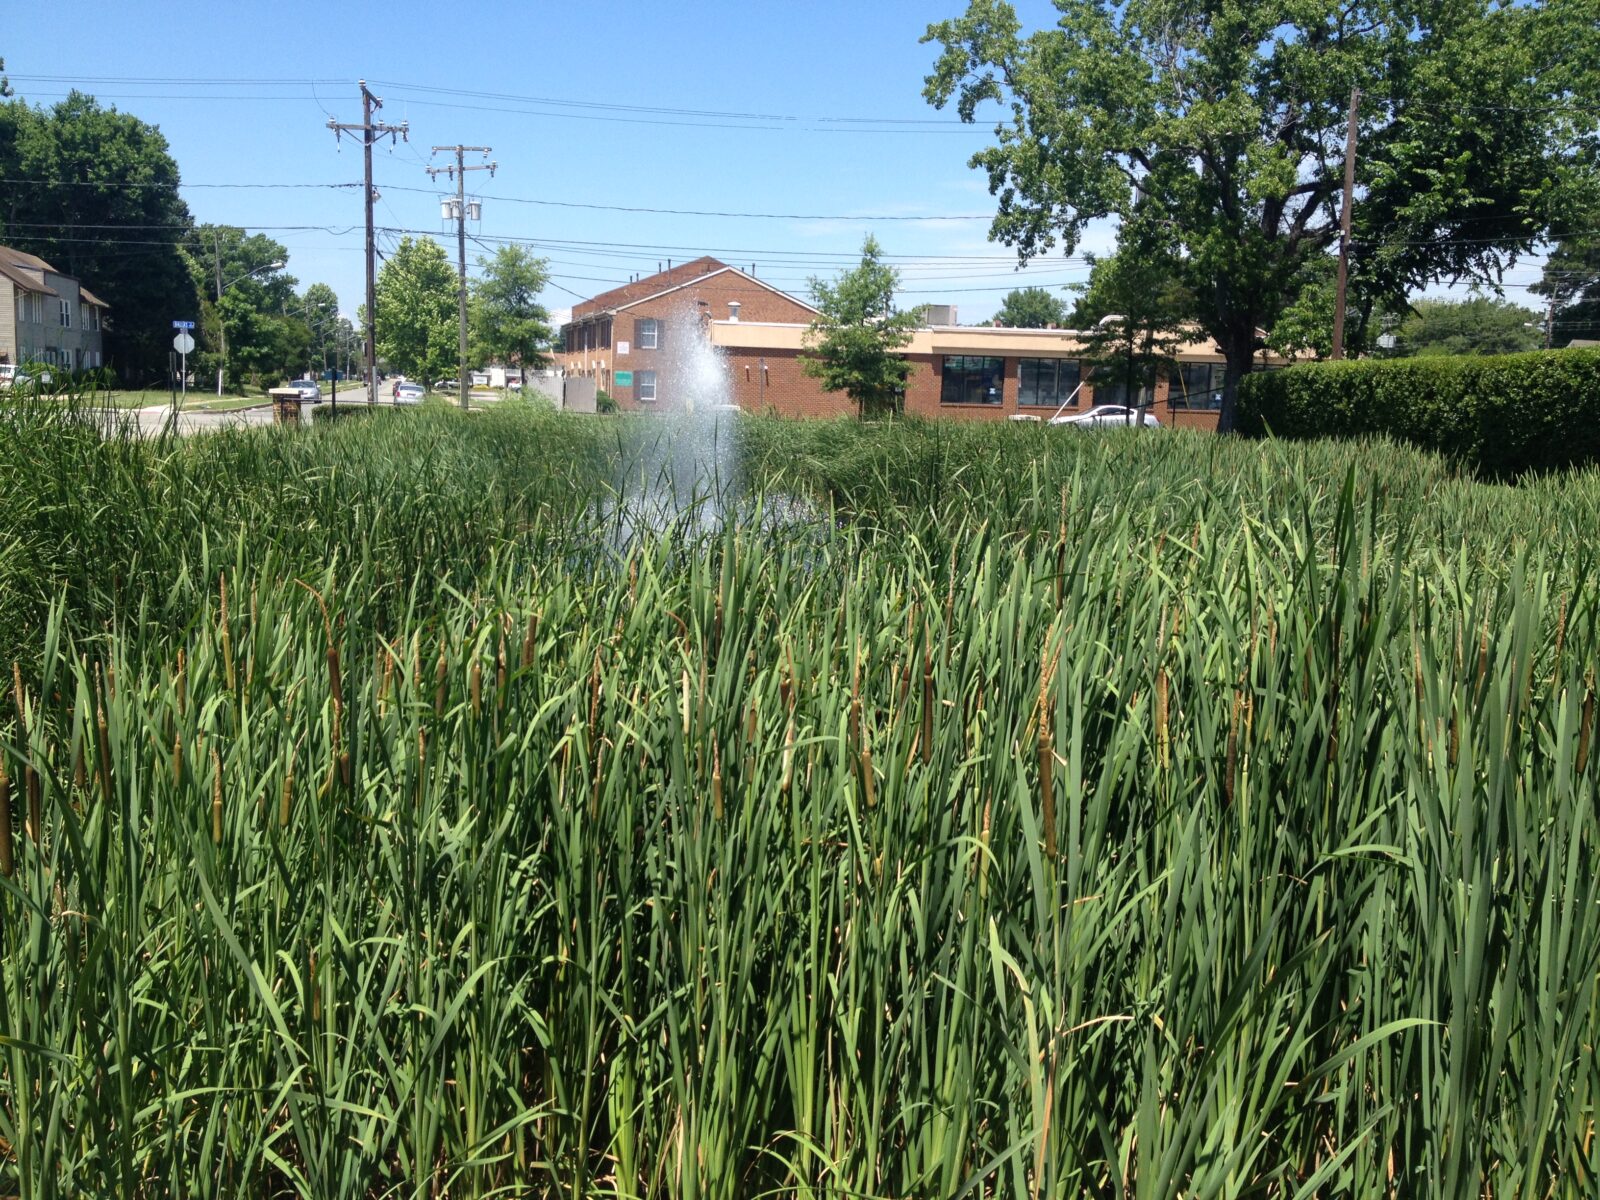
(1047, 382)
(645, 382)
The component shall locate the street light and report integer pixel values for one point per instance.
(222, 325)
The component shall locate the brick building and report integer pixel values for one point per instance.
(630, 340)
(625, 338)
(970, 372)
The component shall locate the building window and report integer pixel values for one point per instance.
(94, 316)
(644, 383)
(1047, 382)
(66, 313)
(605, 336)
(1115, 391)
(1197, 386)
(647, 333)
(971, 379)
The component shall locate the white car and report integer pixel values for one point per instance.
(1109, 416)
(12, 375)
(409, 393)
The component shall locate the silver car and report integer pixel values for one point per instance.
(310, 390)
(1109, 416)
(409, 393)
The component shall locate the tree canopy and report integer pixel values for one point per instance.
(81, 176)
(507, 323)
(1031, 308)
(1477, 325)
(416, 317)
(1224, 124)
(1131, 316)
(1571, 286)
(851, 345)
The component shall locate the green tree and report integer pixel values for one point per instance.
(506, 321)
(851, 345)
(92, 180)
(1031, 308)
(245, 270)
(1570, 284)
(1132, 316)
(1478, 325)
(417, 313)
(320, 308)
(1224, 122)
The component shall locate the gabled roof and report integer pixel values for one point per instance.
(639, 289)
(91, 297)
(19, 258)
(652, 287)
(22, 279)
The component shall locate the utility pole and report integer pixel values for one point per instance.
(369, 133)
(1344, 225)
(458, 172)
(222, 325)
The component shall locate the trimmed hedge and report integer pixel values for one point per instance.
(1501, 414)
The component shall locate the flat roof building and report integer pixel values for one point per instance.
(626, 340)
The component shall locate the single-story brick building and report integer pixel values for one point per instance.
(623, 339)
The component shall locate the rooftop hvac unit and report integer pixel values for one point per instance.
(941, 314)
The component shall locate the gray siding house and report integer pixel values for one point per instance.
(46, 316)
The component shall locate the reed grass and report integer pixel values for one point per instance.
(1047, 816)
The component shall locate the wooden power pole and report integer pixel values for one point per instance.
(1344, 226)
(370, 133)
(458, 171)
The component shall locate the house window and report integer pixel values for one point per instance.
(644, 383)
(605, 336)
(1198, 386)
(971, 379)
(647, 333)
(66, 313)
(1047, 382)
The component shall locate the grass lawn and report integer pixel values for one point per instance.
(545, 805)
(195, 402)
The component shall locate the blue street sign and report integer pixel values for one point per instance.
(183, 324)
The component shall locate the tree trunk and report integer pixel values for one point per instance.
(1237, 354)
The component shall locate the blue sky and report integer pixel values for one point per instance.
(243, 92)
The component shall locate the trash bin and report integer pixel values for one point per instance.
(285, 405)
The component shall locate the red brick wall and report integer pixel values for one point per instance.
(677, 313)
(791, 393)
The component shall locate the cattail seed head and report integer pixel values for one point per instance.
(216, 798)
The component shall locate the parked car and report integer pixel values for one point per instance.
(11, 375)
(409, 393)
(1108, 416)
(447, 385)
(514, 384)
(310, 391)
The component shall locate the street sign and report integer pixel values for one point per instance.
(623, 378)
(183, 324)
(183, 343)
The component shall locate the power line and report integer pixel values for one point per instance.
(700, 212)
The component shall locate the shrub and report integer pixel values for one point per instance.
(1502, 415)
(324, 413)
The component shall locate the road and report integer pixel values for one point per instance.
(152, 421)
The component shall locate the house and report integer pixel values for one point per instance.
(46, 316)
(630, 341)
(634, 341)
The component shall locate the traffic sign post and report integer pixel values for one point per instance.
(182, 343)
